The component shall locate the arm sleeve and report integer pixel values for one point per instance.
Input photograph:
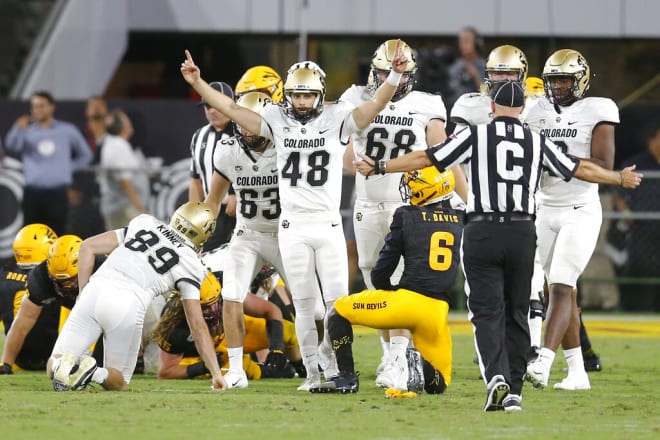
(390, 254)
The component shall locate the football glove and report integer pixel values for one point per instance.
(276, 359)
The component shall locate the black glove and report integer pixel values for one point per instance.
(276, 359)
(5, 369)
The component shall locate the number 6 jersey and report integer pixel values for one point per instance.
(153, 259)
(399, 129)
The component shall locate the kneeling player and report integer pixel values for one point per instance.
(427, 234)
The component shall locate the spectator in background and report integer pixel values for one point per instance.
(642, 246)
(467, 71)
(120, 167)
(85, 217)
(51, 151)
(203, 144)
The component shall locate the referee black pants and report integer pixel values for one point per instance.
(498, 260)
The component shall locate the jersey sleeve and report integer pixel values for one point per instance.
(224, 158)
(390, 254)
(353, 95)
(606, 110)
(432, 106)
(269, 117)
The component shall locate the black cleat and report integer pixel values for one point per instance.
(498, 389)
(592, 363)
(343, 383)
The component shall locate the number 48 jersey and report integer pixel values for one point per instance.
(153, 260)
(255, 180)
(399, 129)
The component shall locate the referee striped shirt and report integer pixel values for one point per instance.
(503, 163)
(202, 147)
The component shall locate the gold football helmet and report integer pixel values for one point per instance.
(195, 221)
(505, 58)
(255, 101)
(261, 79)
(305, 77)
(381, 65)
(209, 293)
(32, 243)
(62, 265)
(428, 185)
(567, 63)
(534, 86)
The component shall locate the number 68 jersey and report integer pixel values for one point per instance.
(399, 129)
(255, 181)
(153, 260)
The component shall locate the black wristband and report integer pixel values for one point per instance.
(382, 166)
(196, 369)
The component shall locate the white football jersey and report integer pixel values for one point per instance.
(154, 260)
(571, 130)
(475, 109)
(310, 156)
(254, 178)
(399, 129)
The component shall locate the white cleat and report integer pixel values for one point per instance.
(328, 361)
(537, 375)
(312, 381)
(83, 375)
(235, 379)
(62, 371)
(574, 382)
(395, 375)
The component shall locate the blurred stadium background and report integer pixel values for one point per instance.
(129, 51)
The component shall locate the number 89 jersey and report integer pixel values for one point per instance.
(399, 129)
(254, 178)
(153, 260)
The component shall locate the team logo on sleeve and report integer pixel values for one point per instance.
(285, 224)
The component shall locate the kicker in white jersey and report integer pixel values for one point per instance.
(310, 156)
(571, 131)
(399, 129)
(154, 258)
(254, 177)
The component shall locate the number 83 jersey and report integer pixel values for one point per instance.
(153, 260)
(255, 180)
(399, 129)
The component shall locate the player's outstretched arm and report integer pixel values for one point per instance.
(101, 244)
(365, 113)
(219, 188)
(408, 162)
(626, 178)
(247, 119)
(25, 320)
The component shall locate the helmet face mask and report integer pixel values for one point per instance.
(304, 78)
(195, 222)
(255, 101)
(564, 64)
(505, 63)
(381, 65)
(32, 243)
(261, 79)
(428, 185)
(62, 265)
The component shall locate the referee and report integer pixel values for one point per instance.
(504, 162)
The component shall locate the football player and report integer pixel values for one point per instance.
(309, 139)
(145, 259)
(427, 234)
(31, 246)
(569, 216)
(179, 358)
(412, 121)
(262, 79)
(249, 163)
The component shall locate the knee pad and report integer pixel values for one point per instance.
(536, 309)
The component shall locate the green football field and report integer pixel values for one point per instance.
(622, 404)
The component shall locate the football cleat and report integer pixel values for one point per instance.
(512, 402)
(312, 381)
(415, 371)
(592, 363)
(574, 382)
(395, 375)
(62, 371)
(498, 390)
(537, 374)
(343, 383)
(236, 379)
(328, 361)
(81, 377)
(383, 363)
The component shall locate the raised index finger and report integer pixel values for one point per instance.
(189, 57)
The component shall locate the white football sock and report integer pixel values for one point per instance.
(235, 355)
(574, 360)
